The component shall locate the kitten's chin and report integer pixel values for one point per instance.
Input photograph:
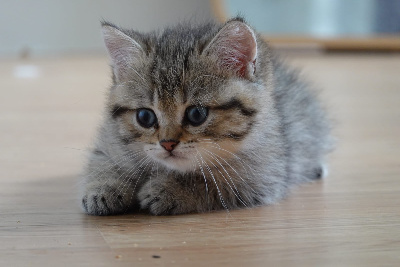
(176, 162)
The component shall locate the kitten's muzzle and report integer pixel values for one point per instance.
(169, 145)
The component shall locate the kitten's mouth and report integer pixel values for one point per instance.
(178, 159)
(173, 155)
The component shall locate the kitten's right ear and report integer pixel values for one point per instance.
(124, 51)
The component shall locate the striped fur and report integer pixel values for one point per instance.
(264, 132)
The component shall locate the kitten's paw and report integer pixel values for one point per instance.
(320, 172)
(105, 201)
(159, 200)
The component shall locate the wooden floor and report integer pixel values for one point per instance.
(49, 110)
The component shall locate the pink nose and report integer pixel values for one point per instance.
(169, 145)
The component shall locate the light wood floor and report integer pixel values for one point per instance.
(350, 219)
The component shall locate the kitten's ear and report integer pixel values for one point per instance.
(234, 49)
(124, 51)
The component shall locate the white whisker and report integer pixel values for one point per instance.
(215, 182)
(202, 172)
(234, 190)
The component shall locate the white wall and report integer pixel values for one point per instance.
(44, 27)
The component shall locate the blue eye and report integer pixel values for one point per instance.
(146, 117)
(196, 115)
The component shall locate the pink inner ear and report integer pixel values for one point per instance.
(246, 52)
(235, 48)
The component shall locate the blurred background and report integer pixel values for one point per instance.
(47, 27)
(44, 27)
(320, 18)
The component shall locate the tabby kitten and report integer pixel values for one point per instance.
(201, 118)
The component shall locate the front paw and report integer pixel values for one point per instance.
(164, 200)
(105, 200)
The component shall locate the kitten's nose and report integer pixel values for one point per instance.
(169, 145)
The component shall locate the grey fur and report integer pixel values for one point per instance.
(276, 135)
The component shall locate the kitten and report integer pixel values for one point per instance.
(201, 118)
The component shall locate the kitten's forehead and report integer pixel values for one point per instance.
(190, 84)
(168, 81)
(168, 73)
(178, 70)
(190, 88)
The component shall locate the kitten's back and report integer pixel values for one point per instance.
(304, 123)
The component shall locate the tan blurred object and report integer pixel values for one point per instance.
(376, 43)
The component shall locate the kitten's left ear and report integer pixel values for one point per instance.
(234, 49)
(124, 51)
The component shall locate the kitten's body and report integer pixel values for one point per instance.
(263, 131)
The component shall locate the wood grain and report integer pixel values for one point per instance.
(352, 218)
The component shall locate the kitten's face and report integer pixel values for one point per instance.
(181, 133)
(183, 103)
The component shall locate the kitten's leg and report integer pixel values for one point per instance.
(176, 194)
(168, 195)
(107, 189)
(321, 171)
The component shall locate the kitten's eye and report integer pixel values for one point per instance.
(196, 115)
(146, 117)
